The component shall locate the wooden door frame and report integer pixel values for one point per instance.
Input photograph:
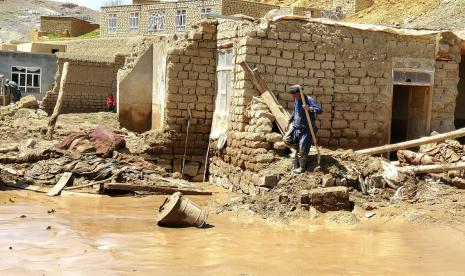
(428, 111)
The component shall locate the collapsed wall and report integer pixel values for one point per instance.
(88, 84)
(348, 70)
(179, 85)
(92, 74)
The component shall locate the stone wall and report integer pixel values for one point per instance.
(61, 25)
(87, 86)
(192, 7)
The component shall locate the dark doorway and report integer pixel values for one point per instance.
(399, 113)
(410, 112)
(460, 102)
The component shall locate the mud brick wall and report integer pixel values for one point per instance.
(251, 144)
(87, 86)
(348, 71)
(59, 25)
(190, 84)
(446, 81)
(242, 165)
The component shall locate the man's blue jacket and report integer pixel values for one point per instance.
(298, 117)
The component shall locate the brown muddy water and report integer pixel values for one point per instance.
(118, 236)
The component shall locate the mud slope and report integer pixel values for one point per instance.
(19, 17)
(421, 14)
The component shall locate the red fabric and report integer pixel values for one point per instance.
(111, 100)
(103, 140)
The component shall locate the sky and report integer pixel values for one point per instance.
(93, 4)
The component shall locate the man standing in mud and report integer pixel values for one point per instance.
(298, 135)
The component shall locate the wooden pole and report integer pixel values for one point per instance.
(9, 149)
(460, 166)
(310, 125)
(281, 114)
(415, 143)
(59, 104)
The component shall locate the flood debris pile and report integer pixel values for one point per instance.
(351, 181)
(96, 156)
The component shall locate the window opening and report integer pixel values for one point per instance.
(157, 21)
(181, 20)
(134, 22)
(27, 78)
(112, 23)
(204, 12)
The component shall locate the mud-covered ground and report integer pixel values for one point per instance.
(425, 199)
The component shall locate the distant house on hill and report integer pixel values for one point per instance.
(150, 17)
(69, 26)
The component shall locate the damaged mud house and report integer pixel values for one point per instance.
(180, 68)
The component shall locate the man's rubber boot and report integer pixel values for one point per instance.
(303, 166)
(295, 164)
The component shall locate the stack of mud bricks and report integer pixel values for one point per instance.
(241, 165)
(191, 85)
(87, 86)
(448, 58)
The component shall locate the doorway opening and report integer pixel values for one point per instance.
(459, 120)
(460, 103)
(411, 112)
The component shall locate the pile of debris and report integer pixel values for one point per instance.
(347, 178)
(94, 162)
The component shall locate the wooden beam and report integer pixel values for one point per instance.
(166, 190)
(460, 166)
(280, 113)
(64, 180)
(415, 143)
(58, 105)
(9, 149)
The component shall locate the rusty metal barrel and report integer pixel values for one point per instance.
(179, 211)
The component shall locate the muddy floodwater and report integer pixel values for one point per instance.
(71, 235)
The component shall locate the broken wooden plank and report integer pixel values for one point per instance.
(460, 166)
(114, 176)
(281, 114)
(64, 180)
(166, 190)
(415, 143)
(38, 189)
(29, 187)
(58, 105)
(9, 149)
